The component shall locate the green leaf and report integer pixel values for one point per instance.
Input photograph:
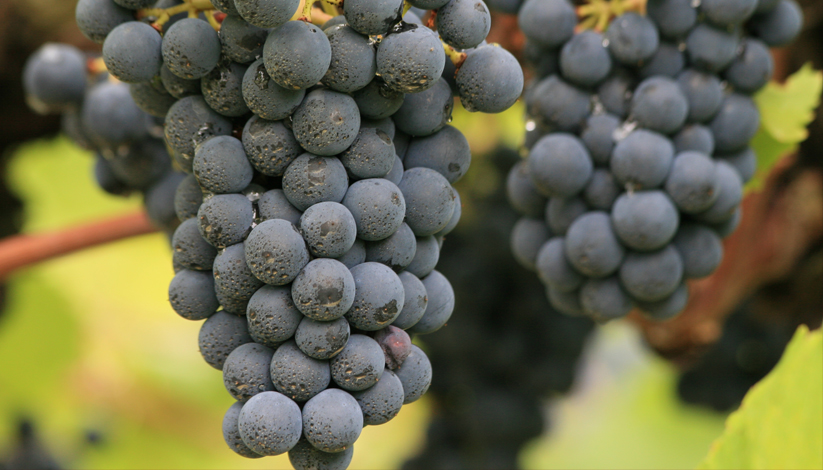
(780, 423)
(785, 112)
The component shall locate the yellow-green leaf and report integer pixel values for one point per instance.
(785, 112)
(780, 423)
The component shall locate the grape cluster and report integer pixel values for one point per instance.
(313, 194)
(639, 147)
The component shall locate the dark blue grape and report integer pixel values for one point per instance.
(326, 123)
(266, 13)
(267, 99)
(729, 195)
(189, 248)
(242, 42)
(191, 294)
(659, 104)
(645, 220)
(377, 101)
(598, 136)
(142, 165)
(158, 200)
(560, 105)
(542, 61)
(270, 423)
(559, 165)
(355, 256)
(463, 24)
(727, 227)
(700, 248)
(381, 403)
(562, 212)
(332, 421)
(455, 219)
(386, 125)
(220, 165)
(222, 89)
(297, 55)
(132, 52)
(297, 375)
(632, 38)
(371, 155)
(274, 204)
(426, 257)
(97, 18)
(446, 152)
(396, 251)
(429, 198)
(276, 252)
(151, 100)
(692, 184)
(752, 69)
(674, 18)
(711, 49)
(270, 146)
(728, 12)
(567, 303)
(735, 124)
(592, 246)
(415, 301)
(189, 122)
(232, 305)
(111, 117)
(232, 275)
(549, 23)
(372, 17)
(397, 170)
(272, 316)
(311, 179)
(602, 190)
(527, 237)
(191, 48)
(521, 192)
(744, 161)
(378, 208)
(554, 269)
(668, 61)
(324, 290)
(329, 229)
(106, 179)
(246, 372)
(225, 219)
(616, 92)
(695, 138)
(339, 19)
(411, 60)
(221, 334)
(490, 80)
(440, 305)
(231, 434)
(704, 93)
(359, 365)
(176, 86)
(780, 25)
(643, 159)
(352, 64)
(426, 112)
(667, 308)
(584, 61)
(305, 456)
(605, 299)
(322, 339)
(415, 374)
(378, 298)
(652, 276)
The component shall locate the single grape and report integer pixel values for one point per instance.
(780, 25)
(562, 212)
(225, 219)
(266, 13)
(652, 276)
(729, 195)
(270, 146)
(273, 204)
(329, 229)
(359, 365)
(644, 220)
(272, 316)
(602, 190)
(463, 24)
(711, 49)
(592, 247)
(605, 299)
(371, 155)
(189, 248)
(378, 297)
(158, 200)
(695, 138)
(150, 100)
(297, 54)
(189, 122)
(728, 12)
(231, 433)
(381, 403)
(132, 52)
(616, 92)
(446, 151)
(97, 18)
(700, 248)
(426, 112)
(429, 198)
(659, 104)
(426, 257)
(270, 423)
(326, 123)
(242, 42)
(176, 86)
(246, 372)
(521, 192)
(276, 252)
(704, 93)
(752, 69)
(311, 179)
(667, 308)
(378, 207)
(191, 48)
(584, 61)
(440, 306)
(111, 117)
(325, 289)
(527, 237)
(191, 294)
(377, 101)
(220, 165)
(297, 375)
(643, 159)
(560, 105)
(332, 421)
(304, 456)
(632, 38)
(735, 124)
(554, 269)
(692, 183)
(598, 136)
(322, 339)
(415, 301)
(744, 161)
(567, 303)
(395, 175)
(221, 334)
(415, 374)
(560, 165)
(232, 275)
(411, 59)
(372, 17)
(352, 64)
(267, 99)
(668, 61)
(397, 251)
(549, 23)
(674, 18)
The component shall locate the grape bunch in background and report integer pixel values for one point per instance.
(638, 146)
(314, 192)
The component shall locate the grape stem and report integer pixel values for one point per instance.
(330, 7)
(308, 7)
(456, 57)
(597, 14)
(406, 7)
(20, 251)
(193, 7)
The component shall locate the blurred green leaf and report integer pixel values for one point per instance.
(780, 423)
(785, 111)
